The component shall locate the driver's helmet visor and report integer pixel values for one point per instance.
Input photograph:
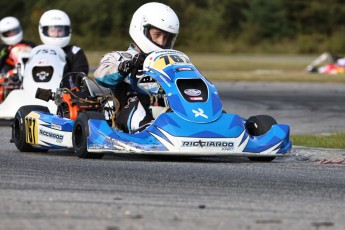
(169, 38)
(56, 31)
(11, 33)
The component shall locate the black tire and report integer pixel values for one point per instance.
(257, 126)
(81, 132)
(19, 129)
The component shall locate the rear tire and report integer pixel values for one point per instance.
(257, 126)
(19, 129)
(81, 133)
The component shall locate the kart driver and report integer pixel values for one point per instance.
(323, 59)
(154, 26)
(55, 30)
(11, 34)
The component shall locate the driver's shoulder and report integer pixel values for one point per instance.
(72, 49)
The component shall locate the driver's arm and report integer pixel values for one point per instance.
(107, 73)
(114, 67)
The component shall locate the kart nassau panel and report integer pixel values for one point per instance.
(48, 131)
(44, 69)
(170, 134)
(195, 98)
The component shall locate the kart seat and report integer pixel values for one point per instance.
(84, 84)
(68, 81)
(95, 89)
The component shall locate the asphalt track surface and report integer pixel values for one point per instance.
(57, 190)
(316, 108)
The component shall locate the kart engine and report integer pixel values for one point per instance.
(79, 93)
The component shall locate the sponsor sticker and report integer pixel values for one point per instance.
(57, 127)
(42, 75)
(196, 98)
(184, 69)
(200, 112)
(192, 92)
(56, 136)
(208, 144)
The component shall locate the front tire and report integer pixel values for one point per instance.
(19, 129)
(81, 133)
(257, 126)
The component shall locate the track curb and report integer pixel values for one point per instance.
(319, 155)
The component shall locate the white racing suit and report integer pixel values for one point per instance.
(134, 113)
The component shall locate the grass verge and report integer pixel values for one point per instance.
(333, 140)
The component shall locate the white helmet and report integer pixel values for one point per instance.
(11, 31)
(55, 20)
(156, 15)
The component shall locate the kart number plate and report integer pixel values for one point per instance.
(166, 60)
(31, 130)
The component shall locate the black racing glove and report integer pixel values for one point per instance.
(126, 67)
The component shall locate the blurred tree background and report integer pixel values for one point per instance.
(222, 26)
